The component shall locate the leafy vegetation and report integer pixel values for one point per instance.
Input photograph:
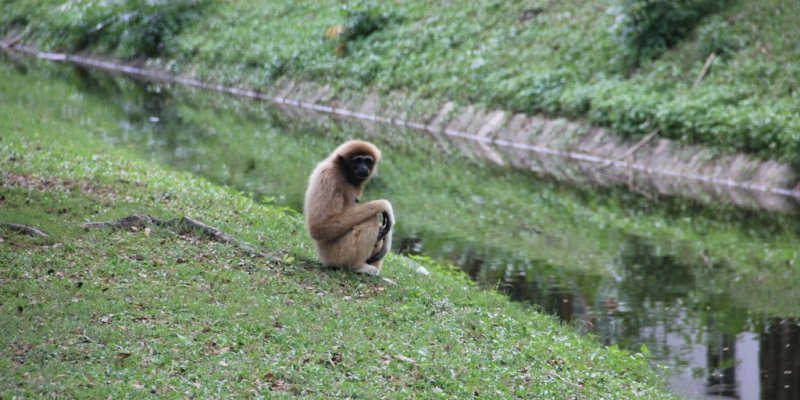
(359, 25)
(647, 28)
(129, 29)
(560, 58)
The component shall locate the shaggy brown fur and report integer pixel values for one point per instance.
(348, 234)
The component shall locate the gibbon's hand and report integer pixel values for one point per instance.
(386, 227)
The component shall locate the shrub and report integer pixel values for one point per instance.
(646, 28)
(530, 91)
(361, 22)
(719, 37)
(133, 28)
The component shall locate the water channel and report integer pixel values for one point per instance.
(709, 291)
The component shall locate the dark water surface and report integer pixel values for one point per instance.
(710, 292)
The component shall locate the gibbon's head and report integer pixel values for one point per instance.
(357, 160)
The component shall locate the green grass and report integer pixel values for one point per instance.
(138, 313)
(560, 58)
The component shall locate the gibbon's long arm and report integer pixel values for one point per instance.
(337, 225)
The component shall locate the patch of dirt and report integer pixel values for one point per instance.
(35, 182)
(20, 354)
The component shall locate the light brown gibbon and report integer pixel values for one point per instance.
(347, 233)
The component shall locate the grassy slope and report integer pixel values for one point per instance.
(120, 313)
(555, 57)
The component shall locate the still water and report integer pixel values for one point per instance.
(709, 291)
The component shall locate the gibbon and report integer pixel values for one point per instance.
(348, 234)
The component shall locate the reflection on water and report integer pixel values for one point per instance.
(678, 312)
(682, 311)
(711, 320)
(779, 359)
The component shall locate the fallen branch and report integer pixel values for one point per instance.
(181, 225)
(132, 221)
(24, 229)
(11, 41)
(650, 136)
(704, 71)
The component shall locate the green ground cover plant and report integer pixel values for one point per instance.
(605, 62)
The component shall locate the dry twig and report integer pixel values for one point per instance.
(650, 136)
(704, 71)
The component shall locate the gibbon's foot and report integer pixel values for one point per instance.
(368, 269)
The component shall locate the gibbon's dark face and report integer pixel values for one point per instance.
(358, 168)
(361, 166)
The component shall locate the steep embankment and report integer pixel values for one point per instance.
(610, 67)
